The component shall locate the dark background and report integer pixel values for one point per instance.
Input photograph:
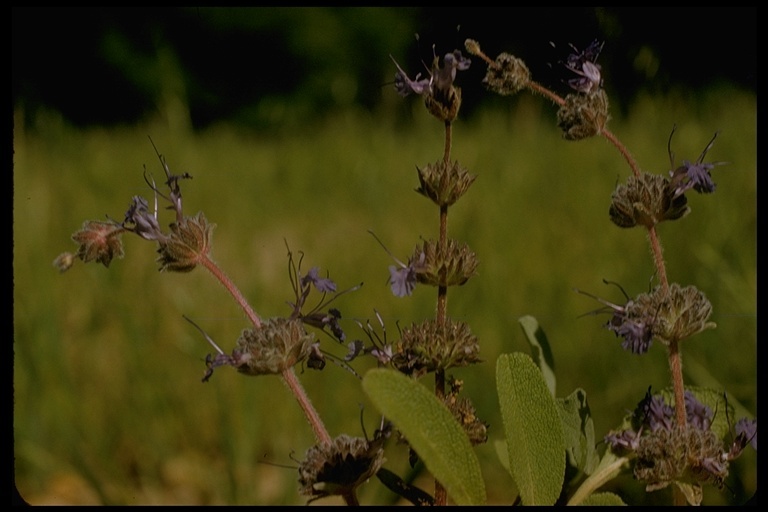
(110, 65)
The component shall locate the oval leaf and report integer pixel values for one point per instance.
(535, 439)
(431, 431)
(540, 349)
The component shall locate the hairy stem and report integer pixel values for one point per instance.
(290, 379)
(674, 355)
(623, 150)
(232, 289)
(676, 368)
(537, 88)
(658, 259)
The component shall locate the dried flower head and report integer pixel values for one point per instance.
(188, 244)
(430, 346)
(678, 314)
(506, 75)
(339, 467)
(444, 183)
(99, 241)
(583, 115)
(646, 200)
(671, 316)
(449, 265)
(277, 345)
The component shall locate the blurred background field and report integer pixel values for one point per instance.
(108, 407)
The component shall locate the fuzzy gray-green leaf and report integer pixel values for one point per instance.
(540, 349)
(431, 430)
(533, 429)
(579, 431)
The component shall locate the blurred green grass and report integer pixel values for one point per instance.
(108, 403)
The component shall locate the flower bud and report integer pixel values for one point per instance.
(646, 200)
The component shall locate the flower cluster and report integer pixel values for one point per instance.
(665, 452)
(181, 249)
(440, 96)
(667, 315)
(340, 466)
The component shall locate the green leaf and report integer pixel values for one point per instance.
(540, 349)
(603, 499)
(432, 432)
(579, 431)
(533, 429)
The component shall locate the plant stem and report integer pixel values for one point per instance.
(658, 259)
(537, 88)
(290, 379)
(441, 497)
(623, 150)
(674, 355)
(676, 368)
(231, 288)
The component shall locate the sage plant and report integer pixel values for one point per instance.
(673, 438)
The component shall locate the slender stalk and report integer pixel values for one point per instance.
(658, 259)
(441, 496)
(540, 89)
(231, 288)
(676, 368)
(674, 355)
(290, 379)
(623, 150)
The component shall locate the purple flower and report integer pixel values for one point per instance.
(699, 415)
(693, 175)
(139, 220)
(638, 335)
(441, 77)
(402, 280)
(405, 86)
(746, 432)
(322, 284)
(660, 414)
(583, 63)
(623, 441)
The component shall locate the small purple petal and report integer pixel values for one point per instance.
(402, 280)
